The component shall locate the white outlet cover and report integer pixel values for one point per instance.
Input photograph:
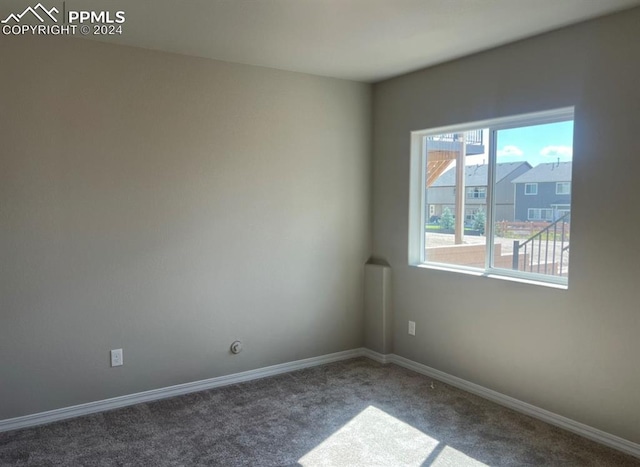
(116, 357)
(412, 328)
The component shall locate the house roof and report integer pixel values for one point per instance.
(477, 175)
(547, 172)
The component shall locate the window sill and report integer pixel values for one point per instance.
(490, 275)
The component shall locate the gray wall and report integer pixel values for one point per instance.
(169, 205)
(573, 352)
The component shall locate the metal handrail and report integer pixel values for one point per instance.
(530, 245)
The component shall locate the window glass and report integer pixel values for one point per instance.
(496, 197)
(563, 188)
(536, 239)
(455, 228)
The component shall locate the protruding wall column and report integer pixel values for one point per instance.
(378, 318)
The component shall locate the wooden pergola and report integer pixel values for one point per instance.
(438, 161)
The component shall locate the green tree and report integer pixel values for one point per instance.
(479, 221)
(446, 221)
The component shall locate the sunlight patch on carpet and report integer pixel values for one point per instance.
(450, 457)
(373, 437)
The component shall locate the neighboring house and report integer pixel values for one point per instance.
(544, 192)
(442, 192)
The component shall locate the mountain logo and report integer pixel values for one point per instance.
(34, 11)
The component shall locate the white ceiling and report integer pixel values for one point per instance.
(364, 40)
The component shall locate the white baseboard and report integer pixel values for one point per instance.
(581, 429)
(376, 356)
(551, 418)
(172, 391)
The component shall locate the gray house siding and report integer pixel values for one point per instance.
(504, 194)
(546, 198)
(443, 194)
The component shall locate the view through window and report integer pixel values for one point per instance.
(499, 197)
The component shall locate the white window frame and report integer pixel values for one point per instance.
(476, 190)
(539, 216)
(534, 192)
(417, 194)
(561, 210)
(560, 192)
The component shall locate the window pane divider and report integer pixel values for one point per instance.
(491, 175)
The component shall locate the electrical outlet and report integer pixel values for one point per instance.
(116, 357)
(412, 328)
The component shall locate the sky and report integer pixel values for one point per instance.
(535, 144)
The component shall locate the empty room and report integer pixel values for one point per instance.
(319, 233)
